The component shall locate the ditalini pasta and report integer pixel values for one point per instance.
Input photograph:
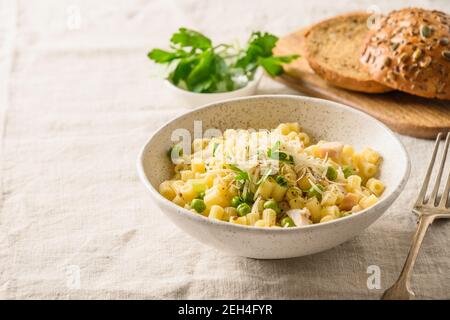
(273, 178)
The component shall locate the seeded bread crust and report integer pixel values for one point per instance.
(333, 50)
(410, 51)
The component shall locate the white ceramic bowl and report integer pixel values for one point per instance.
(194, 99)
(320, 118)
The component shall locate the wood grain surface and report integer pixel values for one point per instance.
(406, 114)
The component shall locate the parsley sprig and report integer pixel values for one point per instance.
(198, 66)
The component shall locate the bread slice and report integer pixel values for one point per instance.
(410, 51)
(333, 50)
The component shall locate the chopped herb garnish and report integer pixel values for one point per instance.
(281, 181)
(314, 191)
(274, 149)
(175, 151)
(290, 160)
(283, 157)
(275, 154)
(214, 149)
(287, 222)
(265, 176)
(248, 197)
(242, 175)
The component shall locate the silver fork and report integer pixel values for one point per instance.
(427, 210)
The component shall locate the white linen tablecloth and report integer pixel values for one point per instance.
(78, 98)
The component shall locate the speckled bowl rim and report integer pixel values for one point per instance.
(202, 219)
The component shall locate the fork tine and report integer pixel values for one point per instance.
(439, 175)
(423, 191)
(444, 197)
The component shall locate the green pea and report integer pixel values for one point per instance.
(198, 205)
(312, 192)
(348, 171)
(236, 201)
(331, 173)
(287, 221)
(243, 209)
(272, 204)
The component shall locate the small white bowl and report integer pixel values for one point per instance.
(194, 99)
(324, 120)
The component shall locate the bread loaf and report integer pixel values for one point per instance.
(410, 51)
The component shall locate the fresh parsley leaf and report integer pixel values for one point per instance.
(271, 66)
(183, 69)
(274, 65)
(162, 56)
(223, 74)
(260, 45)
(190, 38)
(203, 86)
(199, 79)
(249, 62)
(265, 41)
(259, 53)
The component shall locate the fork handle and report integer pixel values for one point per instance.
(424, 222)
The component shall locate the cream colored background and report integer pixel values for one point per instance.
(76, 105)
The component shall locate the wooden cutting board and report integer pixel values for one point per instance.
(403, 113)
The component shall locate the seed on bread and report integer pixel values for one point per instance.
(422, 58)
(425, 62)
(403, 57)
(394, 46)
(446, 55)
(417, 55)
(425, 31)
